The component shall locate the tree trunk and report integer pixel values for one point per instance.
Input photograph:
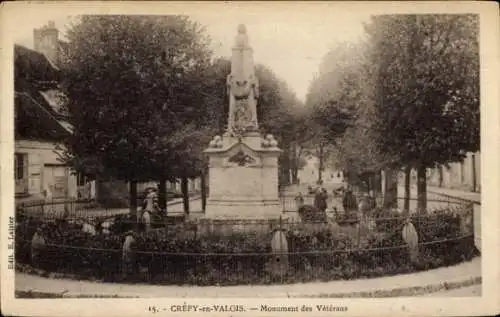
(133, 197)
(422, 189)
(391, 189)
(185, 194)
(320, 167)
(407, 189)
(294, 163)
(162, 194)
(377, 184)
(203, 191)
(440, 170)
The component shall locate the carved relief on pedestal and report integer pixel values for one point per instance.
(242, 156)
(241, 159)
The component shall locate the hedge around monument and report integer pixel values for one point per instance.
(243, 258)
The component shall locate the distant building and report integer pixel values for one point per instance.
(309, 173)
(465, 175)
(41, 125)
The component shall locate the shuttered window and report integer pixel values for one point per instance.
(19, 166)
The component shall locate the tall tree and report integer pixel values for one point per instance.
(277, 105)
(333, 99)
(427, 89)
(127, 77)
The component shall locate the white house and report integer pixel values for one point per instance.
(40, 126)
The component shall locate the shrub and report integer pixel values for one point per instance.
(310, 213)
(241, 258)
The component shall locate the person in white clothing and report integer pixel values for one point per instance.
(47, 204)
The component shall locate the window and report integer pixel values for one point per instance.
(19, 166)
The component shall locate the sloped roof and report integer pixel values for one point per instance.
(34, 121)
(34, 67)
(34, 75)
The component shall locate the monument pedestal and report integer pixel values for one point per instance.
(243, 178)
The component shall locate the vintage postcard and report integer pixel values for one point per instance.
(249, 158)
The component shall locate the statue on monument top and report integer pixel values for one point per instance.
(242, 36)
(242, 85)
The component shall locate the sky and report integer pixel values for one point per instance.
(292, 43)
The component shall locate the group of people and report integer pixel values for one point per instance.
(349, 201)
(320, 199)
(350, 204)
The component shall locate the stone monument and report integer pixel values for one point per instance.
(243, 166)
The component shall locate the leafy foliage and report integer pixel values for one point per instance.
(427, 86)
(241, 258)
(407, 96)
(132, 82)
(147, 96)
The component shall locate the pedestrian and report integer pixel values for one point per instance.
(299, 201)
(37, 247)
(324, 199)
(373, 202)
(138, 214)
(317, 199)
(349, 201)
(335, 212)
(150, 199)
(320, 199)
(365, 204)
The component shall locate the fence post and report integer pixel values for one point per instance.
(282, 256)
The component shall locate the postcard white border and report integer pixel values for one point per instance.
(15, 12)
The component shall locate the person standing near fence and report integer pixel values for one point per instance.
(317, 199)
(320, 199)
(299, 201)
(150, 200)
(37, 247)
(323, 203)
(365, 204)
(47, 202)
(349, 202)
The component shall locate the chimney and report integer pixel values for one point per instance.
(46, 41)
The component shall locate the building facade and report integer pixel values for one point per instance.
(40, 124)
(465, 175)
